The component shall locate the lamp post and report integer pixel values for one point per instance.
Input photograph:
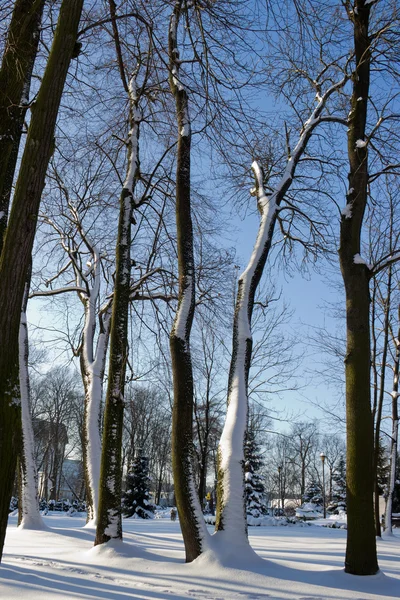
(279, 486)
(322, 455)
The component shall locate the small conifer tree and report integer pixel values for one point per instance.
(338, 501)
(136, 500)
(313, 493)
(254, 488)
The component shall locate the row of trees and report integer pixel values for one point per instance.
(182, 92)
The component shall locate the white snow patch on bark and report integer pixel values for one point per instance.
(182, 315)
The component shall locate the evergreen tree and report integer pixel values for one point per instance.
(254, 488)
(313, 493)
(136, 498)
(382, 468)
(338, 500)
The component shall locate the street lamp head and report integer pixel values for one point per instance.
(322, 455)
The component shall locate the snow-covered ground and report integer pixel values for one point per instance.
(301, 563)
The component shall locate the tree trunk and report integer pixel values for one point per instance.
(361, 556)
(191, 519)
(15, 78)
(19, 238)
(231, 510)
(231, 514)
(93, 361)
(109, 523)
(28, 500)
(378, 419)
(395, 433)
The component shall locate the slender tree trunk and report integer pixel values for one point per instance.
(29, 500)
(231, 514)
(18, 242)
(191, 519)
(231, 510)
(15, 79)
(378, 419)
(395, 433)
(93, 362)
(109, 522)
(361, 556)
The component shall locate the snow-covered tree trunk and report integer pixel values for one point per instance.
(231, 515)
(15, 79)
(361, 558)
(395, 434)
(191, 519)
(18, 242)
(93, 362)
(109, 521)
(29, 501)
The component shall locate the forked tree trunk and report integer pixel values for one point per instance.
(395, 433)
(93, 362)
(29, 500)
(15, 79)
(361, 556)
(191, 519)
(18, 242)
(231, 514)
(109, 522)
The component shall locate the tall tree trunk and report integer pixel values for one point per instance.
(231, 510)
(29, 500)
(395, 433)
(15, 79)
(109, 522)
(231, 514)
(93, 362)
(191, 519)
(18, 242)
(93, 377)
(361, 556)
(378, 419)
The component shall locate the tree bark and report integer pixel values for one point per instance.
(361, 556)
(15, 78)
(19, 239)
(190, 516)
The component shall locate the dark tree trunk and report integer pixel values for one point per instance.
(361, 556)
(19, 239)
(15, 78)
(109, 521)
(378, 419)
(395, 431)
(182, 413)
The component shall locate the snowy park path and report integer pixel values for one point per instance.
(302, 563)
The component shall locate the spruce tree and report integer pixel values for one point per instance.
(254, 488)
(136, 500)
(338, 500)
(313, 493)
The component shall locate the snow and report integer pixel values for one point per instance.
(361, 143)
(359, 260)
(184, 308)
(346, 211)
(296, 563)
